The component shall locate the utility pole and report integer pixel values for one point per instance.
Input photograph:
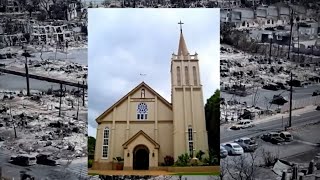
(14, 125)
(26, 54)
(270, 49)
(67, 50)
(291, 23)
(290, 113)
(298, 39)
(60, 99)
(83, 92)
(55, 54)
(78, 101)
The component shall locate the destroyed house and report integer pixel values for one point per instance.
(278, 37)
(48, 33)
(261, 12)
(246, 14)
(252, 2)
(11, 6)
(308, 28)
(272, 13)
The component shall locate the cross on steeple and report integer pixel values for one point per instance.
(180, 25)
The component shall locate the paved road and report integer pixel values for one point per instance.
(227, 135)
(267, 95)
(73, 171)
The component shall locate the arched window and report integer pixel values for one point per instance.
(142, 111)
(178, 76)
(186, 74)
(142, 93)
(105, 146)
(190, 140)
(195, 78)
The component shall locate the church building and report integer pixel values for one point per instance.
(143, 127)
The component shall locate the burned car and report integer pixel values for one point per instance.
(23, 159)
(46, 159)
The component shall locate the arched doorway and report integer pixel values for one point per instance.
(141, 158)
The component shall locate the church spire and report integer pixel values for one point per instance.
(182, 44)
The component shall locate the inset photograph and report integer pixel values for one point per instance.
(270, 90)
(153, 92)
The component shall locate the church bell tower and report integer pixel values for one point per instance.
(189, 129)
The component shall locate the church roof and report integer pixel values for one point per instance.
(183, 50)
(143, 84)
(143, 134)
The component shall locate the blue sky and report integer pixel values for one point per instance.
(124, 43)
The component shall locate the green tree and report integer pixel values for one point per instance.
(91, 146)
(212, 113)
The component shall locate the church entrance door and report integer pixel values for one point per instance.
(141, 158)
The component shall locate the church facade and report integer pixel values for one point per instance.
(143, 127)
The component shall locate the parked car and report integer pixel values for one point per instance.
(318, 108)
(248, 144)
(223, 152)
(242, 124)
(286, 136)
(266, 137)
(272, 137)
(45, 158)
(233, 148)
(276, 140)
(23, 159)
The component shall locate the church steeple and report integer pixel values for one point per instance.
(182, 50)
(187, 102)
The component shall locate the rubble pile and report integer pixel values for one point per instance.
(39, 128)
(256, 71)
(244, 75)
(58, 68)
(19, 31)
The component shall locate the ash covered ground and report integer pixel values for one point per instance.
(254, 74)
(38, 125)
(39, 128)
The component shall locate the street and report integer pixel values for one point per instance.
(265, 96)
(303, 148)
(72, 171)
(227, 135)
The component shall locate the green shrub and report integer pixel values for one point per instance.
(199, 155)
(183, 160)
(212, 159)
(90, 162)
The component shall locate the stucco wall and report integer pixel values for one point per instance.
(119, 139)
(179, 125)
(121, 111)
(165, 140)
(165, 113)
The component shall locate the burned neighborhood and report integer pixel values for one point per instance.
(270, 75)
(43, 89)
